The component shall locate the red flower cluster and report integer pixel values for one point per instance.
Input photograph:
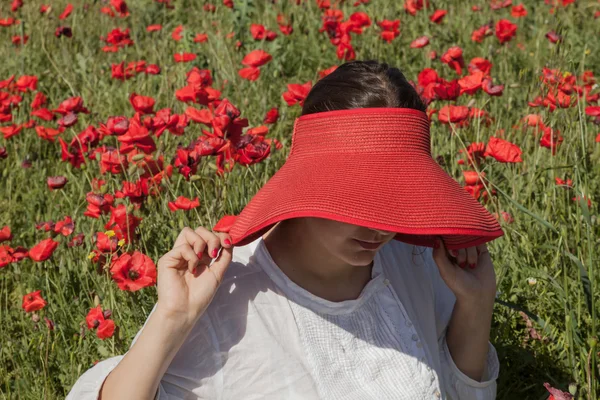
(339, 30)
(117, 39)
(122, 72)
(98, 319)
(253, 60)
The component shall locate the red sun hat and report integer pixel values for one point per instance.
(370, 167)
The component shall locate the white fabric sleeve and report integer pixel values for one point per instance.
(197, 351)
(458, 386)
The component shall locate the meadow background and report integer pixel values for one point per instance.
(540, 173)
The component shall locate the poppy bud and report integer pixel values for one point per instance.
(56, 182)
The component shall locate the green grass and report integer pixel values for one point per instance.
(553, 238)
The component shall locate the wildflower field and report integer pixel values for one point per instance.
(124, 121)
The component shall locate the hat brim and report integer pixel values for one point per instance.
(413, 197)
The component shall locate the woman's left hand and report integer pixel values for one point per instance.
(470, 274)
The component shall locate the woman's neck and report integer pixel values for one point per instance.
(313, 268)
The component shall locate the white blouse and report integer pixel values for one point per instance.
(265, 337)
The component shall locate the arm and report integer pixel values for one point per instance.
(464, 300)
(178, 333)
(189, 371)
(138, 374)
(468, 335)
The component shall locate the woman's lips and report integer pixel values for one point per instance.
(368, 245)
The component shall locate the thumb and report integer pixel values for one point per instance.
(448, 269)
(221, 262)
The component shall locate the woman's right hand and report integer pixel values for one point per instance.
(186, 283)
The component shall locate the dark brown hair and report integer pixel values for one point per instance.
(362, 84)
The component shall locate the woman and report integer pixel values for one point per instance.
(314, 307)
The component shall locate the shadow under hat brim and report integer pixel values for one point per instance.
(408, 194)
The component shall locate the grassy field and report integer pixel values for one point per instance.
(540, 170)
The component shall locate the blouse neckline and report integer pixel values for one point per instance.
(307, 299)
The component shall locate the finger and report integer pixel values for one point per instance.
(461, 260)
(226, 240)
(213, 241)
(221, 263)
(188, 236)
(445, 265)
(182, 257)
(472, 257)
(482, 248)
(181, 237)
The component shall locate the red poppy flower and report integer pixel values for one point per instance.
(249, 73)
(94, 317)
(20, 40)
(453, 114)
(63, 31)
(553, 36)
(419, 42)
(503, 150)
(56, 182)
(184, 57)
(473, 178)
(271, 116)
(491, 89)
(121, 7)
(412, 6)
(65, 227)
(43, 250)
(453, 57)
(106, 329)
(296, 93)
(72, 104)
(256, 58)
(33, 301)
(518, 11)
(437, 16)
(66, 12)
(551, 139)
(98, 319)
(389, 29)
(498, 4)
(505, 30)
(133, 272)
(10, 130)
(470, 84)
(480, 33)
(43, 113)
(8, 21)
(556, 394)
(5, 234)
(142, 104)
(259, 32)
(176, 33)
(444, 90)
(47, 133)
(183, 203)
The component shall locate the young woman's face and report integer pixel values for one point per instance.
(342, 239)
